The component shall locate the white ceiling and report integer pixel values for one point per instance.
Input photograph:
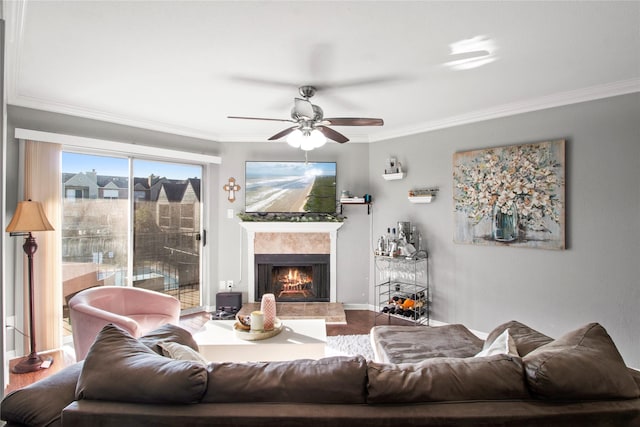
(183, 66)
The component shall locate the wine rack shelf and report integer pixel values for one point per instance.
(402, 289)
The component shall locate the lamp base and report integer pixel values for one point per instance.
(30, 363)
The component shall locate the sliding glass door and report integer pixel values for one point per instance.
(166, 230)
(131, 222)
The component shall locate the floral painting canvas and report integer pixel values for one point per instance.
(511, 195)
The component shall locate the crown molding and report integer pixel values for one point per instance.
(591, 93)
(535, 104)
(58, 107)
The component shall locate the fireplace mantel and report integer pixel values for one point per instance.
(253, 227)
(290, 227)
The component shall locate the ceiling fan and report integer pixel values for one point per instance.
(310, 123)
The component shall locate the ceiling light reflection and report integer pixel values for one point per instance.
(472, 53)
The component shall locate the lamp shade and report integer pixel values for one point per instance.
(29, 216)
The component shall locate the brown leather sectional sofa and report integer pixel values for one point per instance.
(576, 380)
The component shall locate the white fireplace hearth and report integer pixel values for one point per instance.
(291, 237)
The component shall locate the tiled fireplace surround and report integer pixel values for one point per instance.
(291, 238)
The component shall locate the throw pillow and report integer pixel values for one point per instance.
(168, 333)
(582, 364)
(41, 403)
(504, 344)
(447, 379)
(525, 338)
(119, 368)
(178, 351)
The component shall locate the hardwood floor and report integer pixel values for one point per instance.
(358, 322)
(361, 322)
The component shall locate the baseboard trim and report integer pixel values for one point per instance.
(357, 307)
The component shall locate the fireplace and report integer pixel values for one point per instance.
(293, 277)
(291, 238)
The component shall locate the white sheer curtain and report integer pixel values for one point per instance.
(42, 183)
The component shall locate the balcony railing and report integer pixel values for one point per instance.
(167, 262)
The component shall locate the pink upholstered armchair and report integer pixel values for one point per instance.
(136, 310)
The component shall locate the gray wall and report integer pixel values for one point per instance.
(353, 237)
(596, 279)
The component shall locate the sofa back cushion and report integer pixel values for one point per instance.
(526, 339)
(120, 368)
(441, 379)
(329, 380)
(41, 403)
(582, 364)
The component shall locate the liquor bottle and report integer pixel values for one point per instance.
(380, 250)
(387, 243)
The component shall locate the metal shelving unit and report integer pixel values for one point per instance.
(402, 289)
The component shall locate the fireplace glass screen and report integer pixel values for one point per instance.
(293, 277)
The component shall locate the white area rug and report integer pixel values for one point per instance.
(349, 345)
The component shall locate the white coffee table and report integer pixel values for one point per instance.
(300, 339)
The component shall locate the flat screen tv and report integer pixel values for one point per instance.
(290, 187)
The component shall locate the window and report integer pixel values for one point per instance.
(148, 241)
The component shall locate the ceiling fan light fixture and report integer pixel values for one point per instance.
(317, 138)
(307, 144)
(295, 138)
(306, 140)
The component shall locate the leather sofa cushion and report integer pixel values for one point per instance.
(168, 333)
(119, 368)
(525, 338)
(337, 379)
(41, 403)
(447, 379)
(582, 364)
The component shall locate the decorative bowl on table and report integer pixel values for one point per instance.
(243, 330)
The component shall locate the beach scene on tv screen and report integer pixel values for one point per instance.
(294, 187)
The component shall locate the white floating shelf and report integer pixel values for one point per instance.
(393, 176)
(421, 199)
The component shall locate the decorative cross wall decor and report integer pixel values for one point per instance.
(231, 187)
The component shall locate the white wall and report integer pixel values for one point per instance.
(596, 279)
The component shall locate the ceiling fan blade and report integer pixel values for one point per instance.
(283, 133)
(303, 108)
(263, 82)
(366, 81)
(260, 118)
(332, 134)
(353, 121)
